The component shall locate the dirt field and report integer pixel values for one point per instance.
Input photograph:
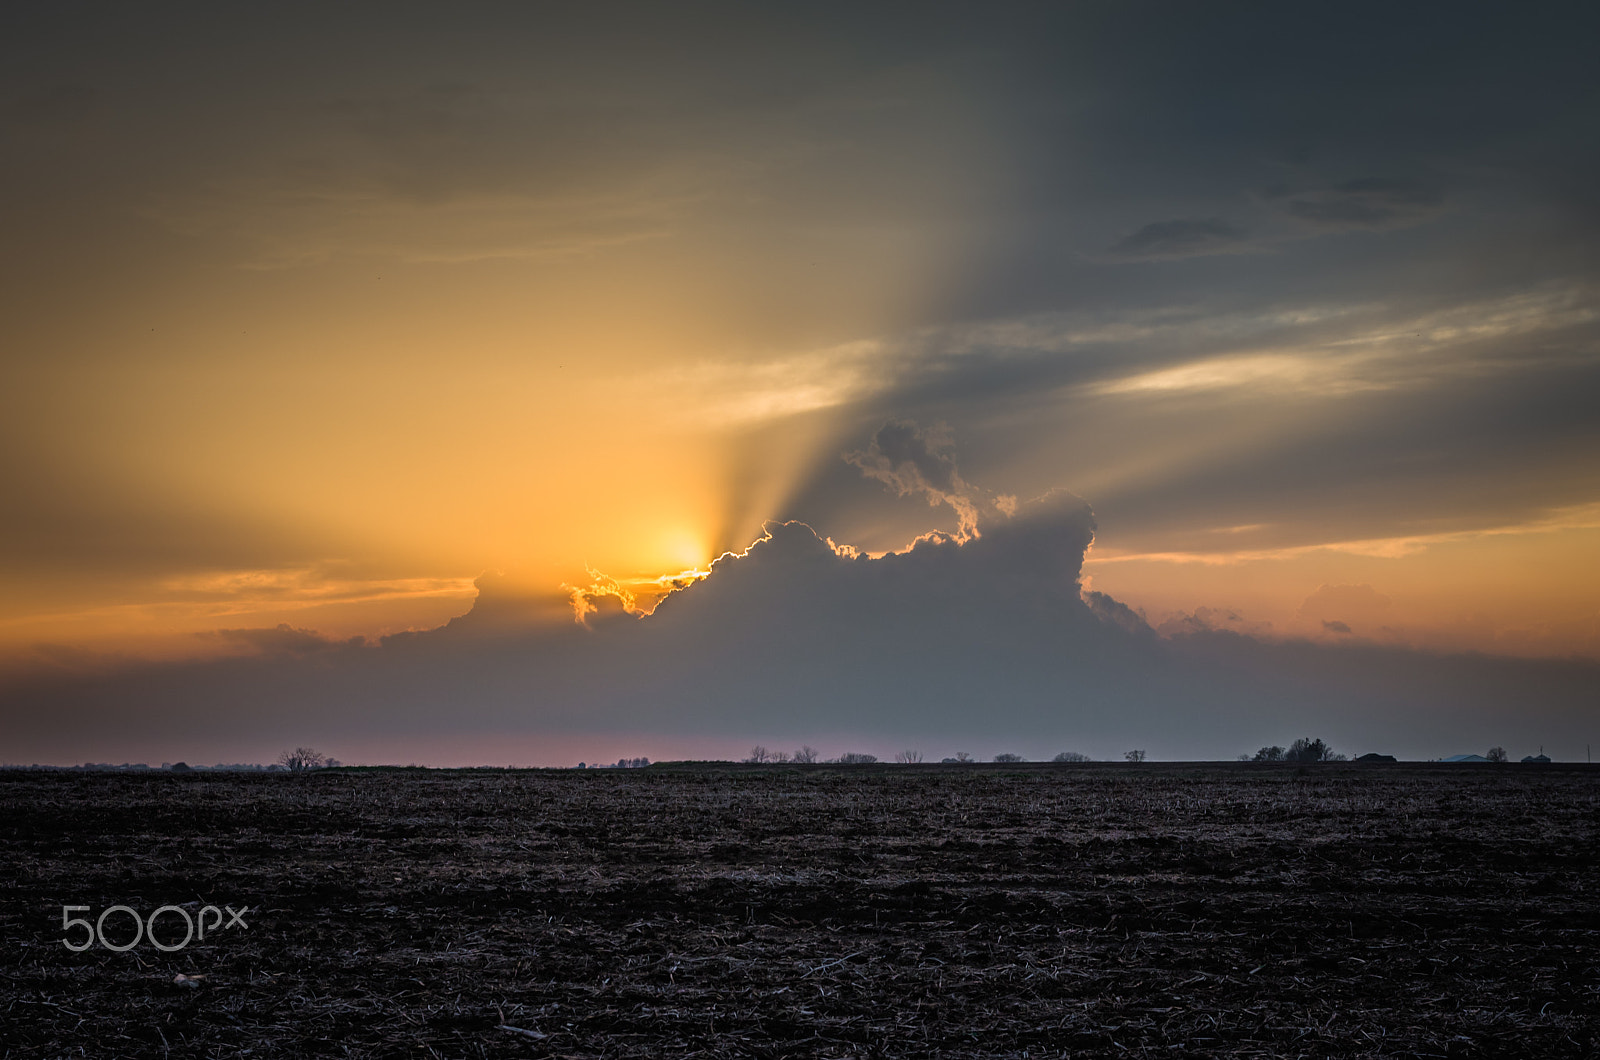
(1154, 910)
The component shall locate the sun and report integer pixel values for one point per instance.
(682, 548)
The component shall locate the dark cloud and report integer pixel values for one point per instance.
(1030, 563)
(1336, 627)
(912, 461)
(945, 643)
(1162, 240)
(1113, 612)
(1458, 415)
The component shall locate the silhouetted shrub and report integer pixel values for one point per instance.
(1303, 750)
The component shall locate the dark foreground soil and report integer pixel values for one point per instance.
(774, 912)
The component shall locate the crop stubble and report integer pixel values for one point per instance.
(815, 911)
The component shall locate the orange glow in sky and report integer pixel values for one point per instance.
(324, 349)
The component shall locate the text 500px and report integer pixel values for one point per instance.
(127, 919)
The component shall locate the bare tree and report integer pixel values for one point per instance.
(1135, 756)
(1007, 756)
(301, 759)
(1071, 756)
(1272, 753)
(1498, 754)
(1304, 750)
(759, 755)
(908, 758)
(857, 758)
(806, 756)
(964, 756)
(780, 756)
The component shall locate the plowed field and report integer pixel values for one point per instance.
(921, 911)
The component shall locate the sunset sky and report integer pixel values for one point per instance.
(324, 318)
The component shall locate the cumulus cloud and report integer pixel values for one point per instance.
(504, 606)
(1028, 563)
(794, 632)
(1163, 240)
(1115, 613)
(602, 596)
(917, 461)
(913, 461)
(798, 637)
(952, 639)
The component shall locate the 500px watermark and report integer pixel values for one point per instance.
(145, 927)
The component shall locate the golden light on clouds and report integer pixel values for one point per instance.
(1410, 353)
(323, 348)
(1521, 590)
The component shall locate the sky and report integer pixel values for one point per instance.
(533, 383)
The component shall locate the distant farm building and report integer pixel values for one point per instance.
(1464, 758)
(1540, 757)
(1373, 756)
